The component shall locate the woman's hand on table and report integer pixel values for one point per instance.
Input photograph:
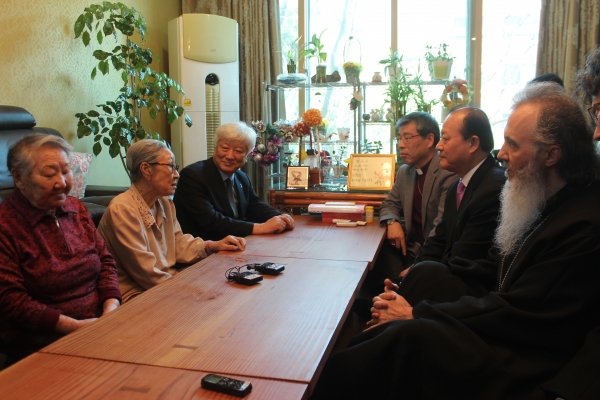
(110, 305)
(66, 325)
(229, 243)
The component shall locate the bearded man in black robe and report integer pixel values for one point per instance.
(580, 378)
(546, 250)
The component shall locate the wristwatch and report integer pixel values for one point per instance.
(390, 221)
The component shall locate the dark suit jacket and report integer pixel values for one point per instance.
(399, 201)
(468, 231)
(203, 208)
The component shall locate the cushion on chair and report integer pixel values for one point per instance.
(80, 165)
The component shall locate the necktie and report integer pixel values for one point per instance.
(231, 196)
(460, 192)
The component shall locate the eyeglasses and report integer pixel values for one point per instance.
(593, 111)
(405, 139)
(174, 167)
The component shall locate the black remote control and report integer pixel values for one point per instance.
(247, 278)
(267, 268)
(226, 385)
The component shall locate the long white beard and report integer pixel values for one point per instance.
(521, 202)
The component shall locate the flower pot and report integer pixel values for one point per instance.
(321, 73)
(440, 69)
(352, 76)
(314, 176)
(291, 68)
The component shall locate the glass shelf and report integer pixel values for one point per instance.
(304, 85)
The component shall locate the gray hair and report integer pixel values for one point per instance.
(588, 79)
(562, 121)
(20, 154)
(425, 124)
(145, 150)
(236, 131)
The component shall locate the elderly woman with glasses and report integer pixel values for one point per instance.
(140, 226)
(56, 274)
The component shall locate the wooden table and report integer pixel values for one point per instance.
(313, 239)
(49, 376)
(282, 328)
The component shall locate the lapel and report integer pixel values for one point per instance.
(407, 202)
(430, 179)
(476, 179)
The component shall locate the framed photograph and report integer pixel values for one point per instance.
(371, 171)
(297, 178)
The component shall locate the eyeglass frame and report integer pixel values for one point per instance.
(404, 138)
(174, 167)
(593, 111)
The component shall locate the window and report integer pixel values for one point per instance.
(509, 52)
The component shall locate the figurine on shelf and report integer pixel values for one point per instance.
(343, 134)
(389, 116)
(374, 115)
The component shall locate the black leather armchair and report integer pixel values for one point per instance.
(15, 123)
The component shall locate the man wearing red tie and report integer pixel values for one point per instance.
(470, 214)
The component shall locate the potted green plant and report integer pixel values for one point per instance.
(418, 94)
(398, 90)
(314, 48)
(117, 123)
(439, 64)
(291, 54)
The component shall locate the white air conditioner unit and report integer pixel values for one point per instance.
(203, 58)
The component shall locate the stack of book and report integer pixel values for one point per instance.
(338, 210)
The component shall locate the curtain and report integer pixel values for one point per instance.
(259, 56)
(259, 44)
(569, 30)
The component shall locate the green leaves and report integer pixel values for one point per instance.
(85, 38)
(116, 124)
(101, 55)
(79, 25)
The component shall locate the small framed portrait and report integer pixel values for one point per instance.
(297, 178)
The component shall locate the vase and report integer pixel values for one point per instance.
(291, 68)
(389, 116)
(321, 73)
(440, 69)
(374, 116)
(376, 77)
